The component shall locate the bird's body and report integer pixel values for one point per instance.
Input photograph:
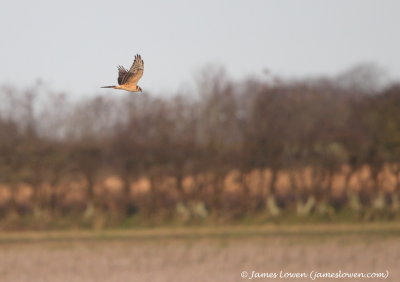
(127, 80)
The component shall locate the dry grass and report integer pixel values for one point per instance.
(207, 254)
(75, 191)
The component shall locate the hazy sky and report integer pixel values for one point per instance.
(76, 45)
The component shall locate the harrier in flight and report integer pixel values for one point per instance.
(127, 80)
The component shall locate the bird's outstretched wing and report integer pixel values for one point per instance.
(135, 72)
(121, 74)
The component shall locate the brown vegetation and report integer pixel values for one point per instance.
(237, 150)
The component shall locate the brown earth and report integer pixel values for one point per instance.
(186, 255)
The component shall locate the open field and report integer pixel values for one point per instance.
(199, 254)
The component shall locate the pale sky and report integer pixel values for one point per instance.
(75, 46)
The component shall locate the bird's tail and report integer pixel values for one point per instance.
(112, 86)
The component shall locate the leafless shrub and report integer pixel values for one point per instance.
(235, 150)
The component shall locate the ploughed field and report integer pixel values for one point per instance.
(200, 254)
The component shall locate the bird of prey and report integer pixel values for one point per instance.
(127, 80)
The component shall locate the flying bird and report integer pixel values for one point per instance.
(127, 80)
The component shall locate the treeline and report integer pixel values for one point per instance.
(255, 149)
